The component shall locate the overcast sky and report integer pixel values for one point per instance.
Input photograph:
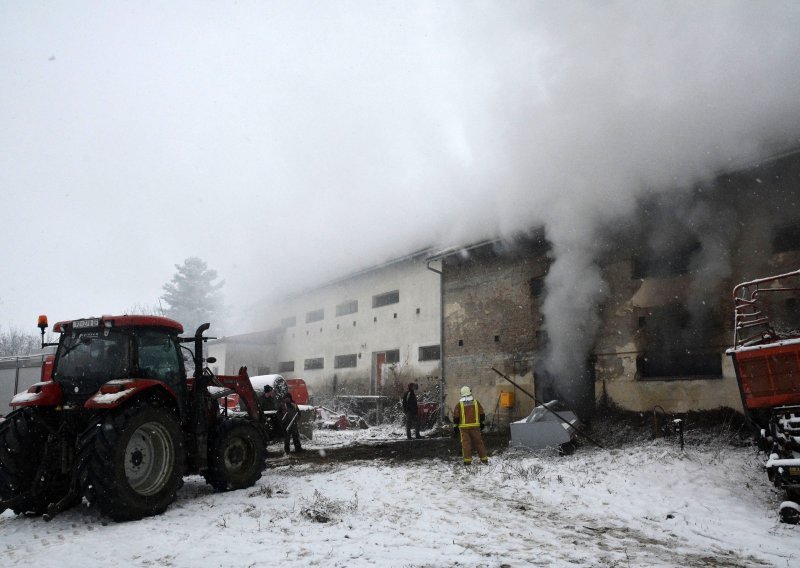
(286, 143)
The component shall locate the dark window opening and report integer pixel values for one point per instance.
(666, 263)
(786, 238)
(430, 353)
(286, 367)
(316, 363)
(393, 356)
(676, 345)
(347, 308)
(386, 299)
(345, 361)
(497, 339)
(315, 315)
(417, 310)
(395, 316)
(289, 322)
(461, 343)
(537, 287)
(264, 370)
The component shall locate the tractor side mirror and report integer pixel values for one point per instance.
(211, 360)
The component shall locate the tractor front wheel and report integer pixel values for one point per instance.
(131, 461)
(23, 439)
(236, 455)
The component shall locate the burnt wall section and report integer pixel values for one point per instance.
(667, 317)
(491, 319)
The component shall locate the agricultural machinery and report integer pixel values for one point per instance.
(766, 357)
(118, 420)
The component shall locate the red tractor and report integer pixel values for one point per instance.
(766, 357)
(120, 421)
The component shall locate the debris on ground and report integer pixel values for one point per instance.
(328, 419)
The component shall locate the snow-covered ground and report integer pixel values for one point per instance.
(648, 504)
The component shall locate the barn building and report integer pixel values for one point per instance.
(660, 325)
(368, 333)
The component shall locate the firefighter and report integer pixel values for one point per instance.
(290, 414)
(411, 410)
(469, 419)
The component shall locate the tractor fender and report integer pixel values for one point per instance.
(45, 393)
(114, 393)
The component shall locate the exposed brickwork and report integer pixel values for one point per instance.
(745, 222)
(491, 319)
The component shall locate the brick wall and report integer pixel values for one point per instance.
(490, 320)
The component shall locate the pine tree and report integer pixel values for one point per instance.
(192, 296)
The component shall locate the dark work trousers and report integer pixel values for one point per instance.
(294, 432)
(412, 421)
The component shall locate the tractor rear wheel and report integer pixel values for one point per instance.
(131, 461)
(23, 439)
(236, 455)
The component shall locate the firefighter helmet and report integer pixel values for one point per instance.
(466, 391)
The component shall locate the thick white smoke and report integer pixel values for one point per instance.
(290, 143)
(627, 100)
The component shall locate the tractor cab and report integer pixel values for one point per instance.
(93, 351)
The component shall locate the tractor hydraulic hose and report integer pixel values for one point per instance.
(549, 409)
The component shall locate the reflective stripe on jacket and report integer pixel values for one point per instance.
(468, 414)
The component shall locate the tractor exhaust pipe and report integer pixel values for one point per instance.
(198, 350)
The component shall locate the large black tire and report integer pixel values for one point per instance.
(236, 455)
(22, 444)
(131, 461)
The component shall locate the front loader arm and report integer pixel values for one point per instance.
(241, 385)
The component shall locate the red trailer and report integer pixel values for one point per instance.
(766, 357)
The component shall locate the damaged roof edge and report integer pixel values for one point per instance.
(534, 235)
(540, 231)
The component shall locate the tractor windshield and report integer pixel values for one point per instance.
(93, 354)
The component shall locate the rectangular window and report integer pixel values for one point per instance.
(347, 308)
(786, 238)
(537, 287)
(430, 353)
(316, 363)
(289, 322)
(286, 367)
(264, 371)
(315, 315)
(386, 299)
(665, 263)
(345, 361)
(675, 345)
(393, 356)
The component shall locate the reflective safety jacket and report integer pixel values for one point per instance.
(468, 413)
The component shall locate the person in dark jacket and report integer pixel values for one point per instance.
(290, 415)
(268, 399)
(411, 410)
